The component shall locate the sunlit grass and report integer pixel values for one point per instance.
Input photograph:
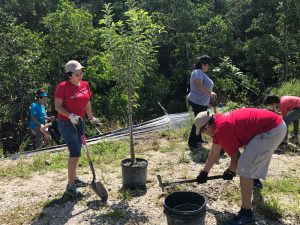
(279, 197)
(107, 152)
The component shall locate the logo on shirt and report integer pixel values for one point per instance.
(79, 93)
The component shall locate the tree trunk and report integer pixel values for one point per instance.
(132, 154)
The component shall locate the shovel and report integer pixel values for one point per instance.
(97, 187)
(163, 185)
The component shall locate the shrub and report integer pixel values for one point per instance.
(291, 87)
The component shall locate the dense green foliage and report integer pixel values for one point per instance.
(289, 88)
(254, 45)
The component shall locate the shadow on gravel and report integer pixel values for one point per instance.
(59, 211)
(221, 217)
(118, 213)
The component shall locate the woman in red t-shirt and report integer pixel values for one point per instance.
(72, 101)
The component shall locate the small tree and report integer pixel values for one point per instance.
(131, 49)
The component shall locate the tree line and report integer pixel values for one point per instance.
(254, 46)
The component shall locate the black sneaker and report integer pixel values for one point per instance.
(257, 184)
(72, 192)
(242, 218)
(80, 183)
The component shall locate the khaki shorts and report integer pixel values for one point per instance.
(254, 161)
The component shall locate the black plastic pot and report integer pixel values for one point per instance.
(134, 176)
(185, 208)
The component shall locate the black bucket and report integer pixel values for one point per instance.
(134, 176)
(185, 207)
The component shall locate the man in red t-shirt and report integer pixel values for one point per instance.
(289, 107)
(259, 131)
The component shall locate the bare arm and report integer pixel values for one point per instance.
(212, 157)
(234, 161)
(58, 103)
(203, 89)
(89, 111)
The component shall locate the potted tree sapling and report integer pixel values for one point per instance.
(130, 46)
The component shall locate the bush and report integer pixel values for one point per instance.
(291, 87)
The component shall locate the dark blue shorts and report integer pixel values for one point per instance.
(71, 137)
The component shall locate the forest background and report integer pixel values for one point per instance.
(254, 46)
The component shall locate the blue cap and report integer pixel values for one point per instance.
(43, 94)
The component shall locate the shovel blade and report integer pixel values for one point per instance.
(100, 190)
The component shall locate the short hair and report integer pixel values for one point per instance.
(40, 92)
(271, 99)
(67, 75)
(204, 59)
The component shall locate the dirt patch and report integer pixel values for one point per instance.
(41, 196)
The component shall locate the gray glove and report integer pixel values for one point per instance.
(74, 118)
(94, 121)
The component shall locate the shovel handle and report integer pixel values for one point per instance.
(162, 185)
(82, 136)
(195, 180)
(215, 177)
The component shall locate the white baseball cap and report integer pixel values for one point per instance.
(72, 66)
(201, 120)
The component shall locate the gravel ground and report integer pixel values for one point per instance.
(41, 195)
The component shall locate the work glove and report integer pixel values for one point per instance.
(74, 118)
(94, 121)
(228, 175)
(202, 177)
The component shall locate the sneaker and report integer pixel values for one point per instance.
(80, 183)
(257, 184)
(242, 218)
(72, 192)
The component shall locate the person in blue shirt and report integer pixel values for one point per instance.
(38, 118)
(201, 93)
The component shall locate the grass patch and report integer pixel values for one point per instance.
(269, 206)
(277, 199)
(286, 185)
(280, 197)
(232, 194)
(166, 149)
(116, 214)
(125, 194)
(129, 193)
(183, 158)
(159, 168)
(107, 152)
(179, 134)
